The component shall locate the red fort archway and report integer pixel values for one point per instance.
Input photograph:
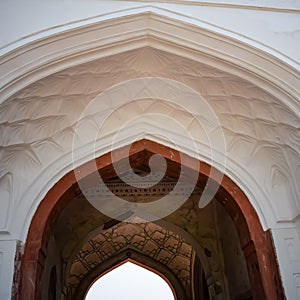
(256, 243)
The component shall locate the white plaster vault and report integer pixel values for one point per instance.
(49, 77)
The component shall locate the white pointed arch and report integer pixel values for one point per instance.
(48, 109)
(81, 41)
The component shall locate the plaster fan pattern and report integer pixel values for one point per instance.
(262, 135)
(150, 239)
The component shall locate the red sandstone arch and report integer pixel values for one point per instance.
(256, 244)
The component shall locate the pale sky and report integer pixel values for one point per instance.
(130, 282)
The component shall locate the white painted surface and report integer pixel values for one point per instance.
(262, 157)
(275, 29)
(261, 125)
(7, 258)
(287, 245)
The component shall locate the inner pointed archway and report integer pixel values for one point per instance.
(130, 281)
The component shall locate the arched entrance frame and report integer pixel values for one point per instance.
(137, 258)
(161, 30)
(256, 244)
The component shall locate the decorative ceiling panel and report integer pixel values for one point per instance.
(149, 239)
(38, 124)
